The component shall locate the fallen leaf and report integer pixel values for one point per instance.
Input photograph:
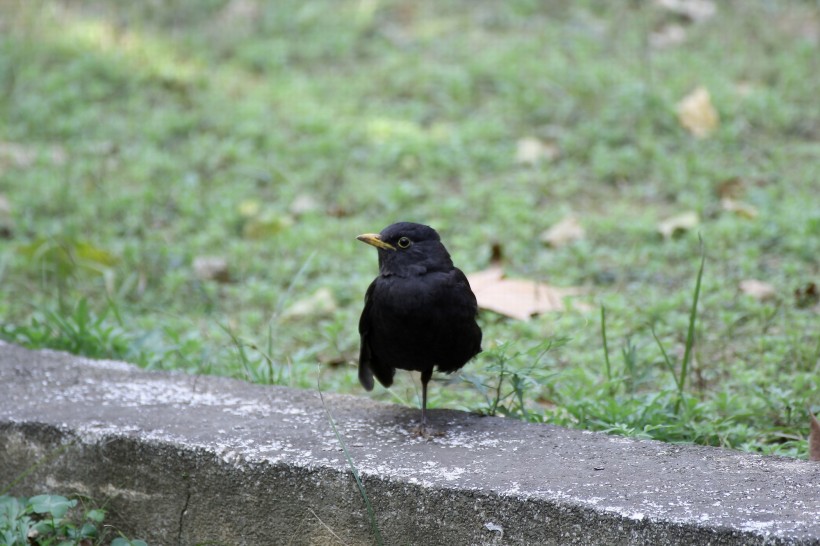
(740, 208)
(814, 439)
(240, 10)
(694, 10)
(266, 224)
(564, 232)
(16, 155)
(22, 156)
(93, 256)
(517, 298)
(531, 151)
(212, 268)
(6, 221)
(335, 359)
(249, 208)
(66, 256)
(744, 88)
(759, 290)
(732, 188)
(697, 114)
(337, 210)
(321, 302)
(806, 297)
(303, 204)
(667, 36)
(486, 277)
(678, 224)
(496, 253)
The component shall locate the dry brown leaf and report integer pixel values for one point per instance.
(531, 151)
(807, 297)
(814, 439)
(732, 188)
(6, 221)
(212, 268)
(744, 88)
(677, 224)
(486, 277)
(337, 210)
(694, 10)
(241, 10)
(759, 290)
(517, 298)
(564, 232)
(667, 36)
(697, 114)
(740, 208)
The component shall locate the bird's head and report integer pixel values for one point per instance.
(407, 249)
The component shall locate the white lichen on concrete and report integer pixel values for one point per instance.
(245, 430)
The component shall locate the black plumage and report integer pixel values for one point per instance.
(419, 313)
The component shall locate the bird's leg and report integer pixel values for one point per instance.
(425, 378)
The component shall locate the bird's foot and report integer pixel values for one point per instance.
(427, 432)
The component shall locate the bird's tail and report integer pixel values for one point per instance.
(365, 373)
(365, 376)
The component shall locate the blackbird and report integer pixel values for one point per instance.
(419, 313)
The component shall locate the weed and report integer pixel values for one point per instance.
(374, 525)
(51, 519)
(78, 330)
(506, 383)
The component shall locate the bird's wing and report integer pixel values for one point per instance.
(365, 355)
(461, 278)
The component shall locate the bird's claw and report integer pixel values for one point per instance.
(426, 432)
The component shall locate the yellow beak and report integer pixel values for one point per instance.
(375, 240)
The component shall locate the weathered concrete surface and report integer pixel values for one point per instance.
(185, 460)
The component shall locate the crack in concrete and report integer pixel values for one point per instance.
(184, 510)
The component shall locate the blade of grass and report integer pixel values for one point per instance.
(690, 335)
(667, 361)
(373, 524)
(606, 352)
(240, 350)
(325, 525)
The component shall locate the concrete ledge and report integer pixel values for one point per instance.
(187, 459)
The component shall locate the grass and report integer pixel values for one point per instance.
(374, 525)
(136, 138)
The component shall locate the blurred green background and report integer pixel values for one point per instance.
(182, 181)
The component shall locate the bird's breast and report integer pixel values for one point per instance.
(415, 322)
(408, 296)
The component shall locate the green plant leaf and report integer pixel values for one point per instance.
(55, 505)
(96, 515)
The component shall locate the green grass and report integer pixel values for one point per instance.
(135, 138)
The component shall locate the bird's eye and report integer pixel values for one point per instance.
(404, 242)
